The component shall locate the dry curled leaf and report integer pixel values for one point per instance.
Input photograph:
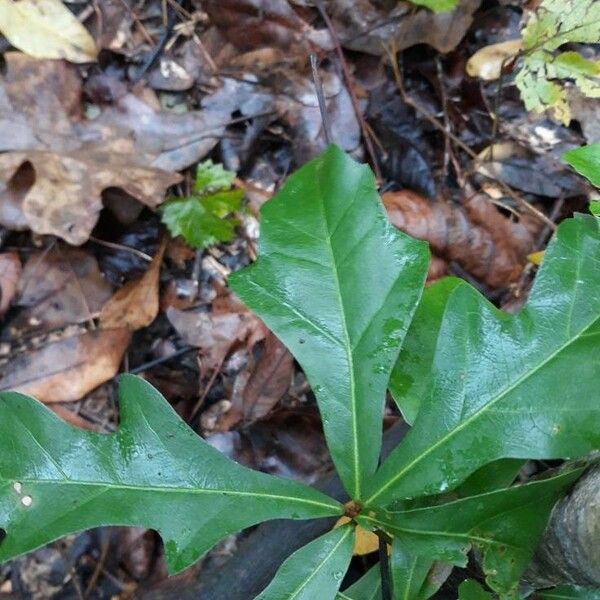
(491, 247)
(50, 150)
(216, 331)
(46, 29)
(59, 287)
(249, 24)
(487, 62)
(365, 541)
(10, 273)
(366, 28)
(269, 380)
(67, 369)
(136, 304)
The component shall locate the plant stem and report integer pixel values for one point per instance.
(384, 567)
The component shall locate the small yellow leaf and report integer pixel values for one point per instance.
(365, 541)
(536, 258)
(487, 62)
(46, 29)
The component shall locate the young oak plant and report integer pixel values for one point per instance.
(342, 289)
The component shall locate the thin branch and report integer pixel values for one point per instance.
(321, 98)
(350, 86)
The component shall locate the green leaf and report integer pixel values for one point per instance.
(493, 476)
(472, 590)
(437, 5)
(595, 208)
(412, 372)
(409, 573)
(314, 571)
(154, 472)
(202, 221)
(569, 592)
(504, 525)
(368, 587)
(586, 161)
(338, 285)
(509, 386)
(542, 76)
(211, 177)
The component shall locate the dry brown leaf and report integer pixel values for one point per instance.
(66, 370)
(136, 304)
(365, 541)
(56, 163)
(46, 29)
(487, 62)
(366, 28)
(10, 274)
(215, 332)
(249, 25)
(59, 287)
(269, 380)
(485, 243)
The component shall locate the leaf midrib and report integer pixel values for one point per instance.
(320, 567)
(347, 345)
(170, 489)
(481, 411)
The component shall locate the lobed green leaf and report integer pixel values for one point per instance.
(505, 386)
(338, 285)
(154, 472)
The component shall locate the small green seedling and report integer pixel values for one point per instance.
(208, 215)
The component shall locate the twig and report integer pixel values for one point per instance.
(320, 98)
(440, 126)
(137, 21)
(115, 246)
(207, 389)
(160, 46)
(158, 361)
(350, 86)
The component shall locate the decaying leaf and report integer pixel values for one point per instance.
(52, 152)
(365, 541)
(10, 273)
(67, 369)
(46, 29)
(269, 380)
(248, 25)
(366, 28)
(488, 61)
(136, 304)
(59, 287)
(215, 332)
(481, 240)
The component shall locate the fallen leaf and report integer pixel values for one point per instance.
(50, 150)
(66, 370)
(365, 541)
(485, 243)
(59, 287)
(136, 304)
(270, 379)
(216, 331)
(46, 29)
(249, 25)
(366, 28)
(10, 273)
(487, 62)
(543, 174)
